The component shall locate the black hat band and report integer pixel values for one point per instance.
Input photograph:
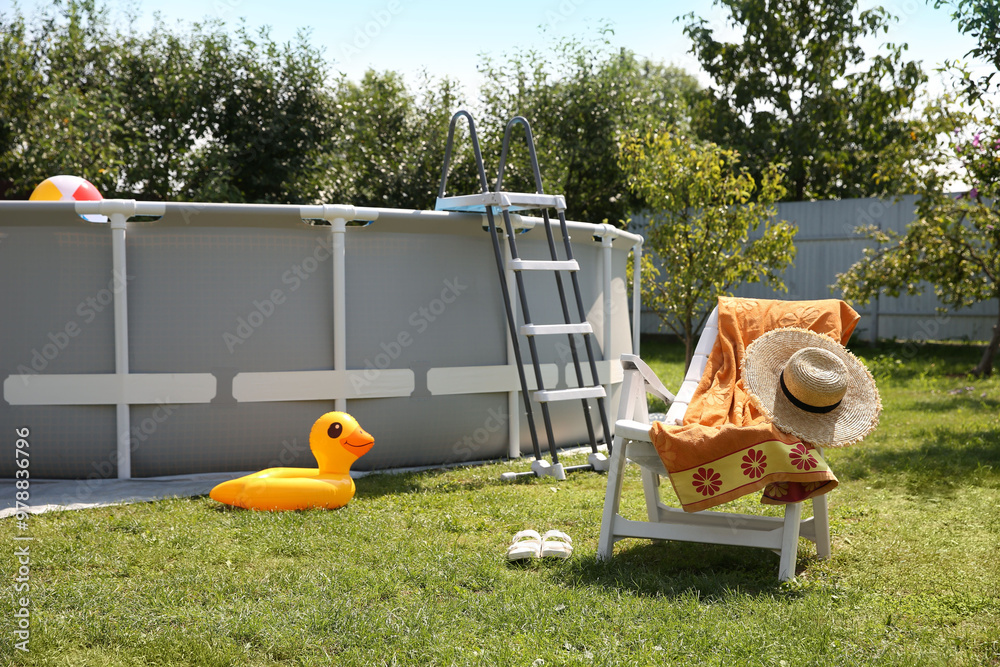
(805, 406)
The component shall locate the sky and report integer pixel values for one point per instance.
(448, 38)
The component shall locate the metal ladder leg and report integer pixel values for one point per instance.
(582, 313)
(596, 460)
(571, 339)
(512, 326)
(556, 469)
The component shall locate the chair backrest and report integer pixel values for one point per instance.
(675, 415)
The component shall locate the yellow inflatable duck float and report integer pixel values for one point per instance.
(337, 441)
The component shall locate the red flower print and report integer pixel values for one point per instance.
(753, 463)
(802, 458)
(776, 490)
(707, 481)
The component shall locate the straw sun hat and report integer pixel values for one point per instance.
(811, 387)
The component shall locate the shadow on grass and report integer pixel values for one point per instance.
(380, 484)
(943, 460)
(680, 569)
(439, 480)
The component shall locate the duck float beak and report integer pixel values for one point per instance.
(359, 442)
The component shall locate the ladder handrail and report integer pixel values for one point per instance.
(475, 148)
(529, 139)
(508, 310)
(491, 202)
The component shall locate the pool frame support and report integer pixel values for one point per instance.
(120, 282)
(606, 241)
(338, 216)
(118, 212)
(513, 412)
(338, 229)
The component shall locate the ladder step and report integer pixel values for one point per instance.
(552, 395)
(549, 329)
(543, 265)
(513, 201)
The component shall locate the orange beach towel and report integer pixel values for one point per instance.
(726, 448)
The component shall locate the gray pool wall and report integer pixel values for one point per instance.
(236, 289)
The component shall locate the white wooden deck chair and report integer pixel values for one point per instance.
(632, 443)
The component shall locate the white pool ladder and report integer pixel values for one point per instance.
(489, 201)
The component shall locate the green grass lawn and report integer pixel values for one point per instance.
(412, 572)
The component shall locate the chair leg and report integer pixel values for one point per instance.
(821, 521)
(612, 499)
(651, 490)
(790, 541)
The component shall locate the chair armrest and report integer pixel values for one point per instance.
(632, 430)
(653, 384)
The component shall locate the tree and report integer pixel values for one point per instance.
(19, 78)
(581, 99)
(57, 93)
(200, 113)
(979, 19)
(389, 143)
(800, 89)
(161, 115)
(954, 243)
(269, 120)
(697, 244)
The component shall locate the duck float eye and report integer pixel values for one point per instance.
(336, 428)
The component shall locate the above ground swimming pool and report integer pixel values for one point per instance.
(233, 327)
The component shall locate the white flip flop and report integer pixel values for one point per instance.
(556, 544)
(525, 544)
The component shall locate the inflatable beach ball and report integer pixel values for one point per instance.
(68, 188)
